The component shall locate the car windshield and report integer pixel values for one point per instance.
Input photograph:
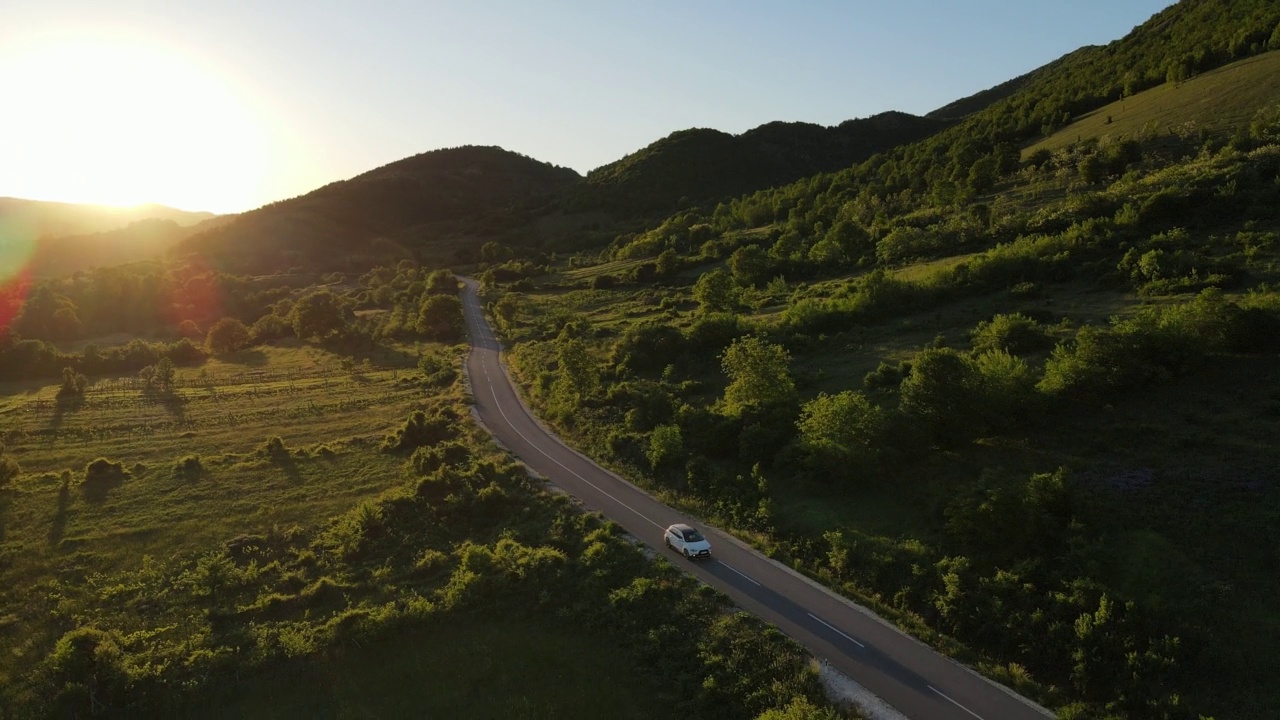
(692, 536)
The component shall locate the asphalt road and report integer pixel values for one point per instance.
(903, 672)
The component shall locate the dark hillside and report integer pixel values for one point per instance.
(339, 223)
(701, 165)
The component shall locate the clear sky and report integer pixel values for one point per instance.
(226, 105)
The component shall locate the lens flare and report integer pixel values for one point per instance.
(17, 245)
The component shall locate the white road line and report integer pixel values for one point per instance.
(953, 702)
(748, 577)
(846, 637)
(516, 430)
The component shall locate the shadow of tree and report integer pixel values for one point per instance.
(250, 357)
(173, 402)
(97, 486)
(62, 405)
(59, 525)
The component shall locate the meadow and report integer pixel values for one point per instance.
(217, 417)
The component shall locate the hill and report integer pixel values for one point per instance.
(982, 100)
(141, 240)
(37, 218)
(1023, 406)
(384, 212)
(1219, 102)
(701, 165)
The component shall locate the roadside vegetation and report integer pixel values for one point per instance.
(1024, 413)
(303, 496)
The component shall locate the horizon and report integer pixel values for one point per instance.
(181, 117)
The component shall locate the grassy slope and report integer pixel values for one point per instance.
(52, 525)
(1218, 102)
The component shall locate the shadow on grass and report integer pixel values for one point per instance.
(59, 525)
(96, 487)
(63, 405)
(250, 357)
(173, 402)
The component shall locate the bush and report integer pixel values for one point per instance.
(437, 370)
(421, 429)
(274, 449)
(1016, 334)
(100, 476)
(188, 468)
(9, 470)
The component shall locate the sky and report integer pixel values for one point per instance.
(227, 105)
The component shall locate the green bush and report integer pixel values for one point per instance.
(274, 449)
(9, 470)
(1016, 334)
(103, 472)
(420, 429)
(189, 467)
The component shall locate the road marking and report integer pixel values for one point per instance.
(846, 637)
(748, 577)
(953, 702)
(516, 430)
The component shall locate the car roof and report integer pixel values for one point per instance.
(681, 527)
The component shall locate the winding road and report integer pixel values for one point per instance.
(904, 673)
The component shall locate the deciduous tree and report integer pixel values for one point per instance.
(759, 374)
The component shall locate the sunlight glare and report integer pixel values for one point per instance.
(117, 121)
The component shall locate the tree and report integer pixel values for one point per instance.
(164, 374)
(318, 315)
(749, 264)
(852, 238)
(440, 318)
(442, 282)
(839, 430)
(227, 336)
(715, 291)
(579, 378)
(758, 375)
(943, 392)
(73, 383)
(668, 263)
(665, 445)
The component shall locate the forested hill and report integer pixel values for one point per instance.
(986, 98)
(346, 220)
(701, 165)
(36, 218)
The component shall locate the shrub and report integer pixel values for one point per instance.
(9, 470)
(274, 449)
(421, 429)
(1014, 333)
(188, 468)
(103, 469)
(437, 370)
(886, 376)
(603, 282)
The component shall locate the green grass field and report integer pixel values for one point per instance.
(1217, 102)
(52, 524)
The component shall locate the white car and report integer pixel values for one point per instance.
(687, 541)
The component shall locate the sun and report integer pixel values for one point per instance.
(117, 120)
